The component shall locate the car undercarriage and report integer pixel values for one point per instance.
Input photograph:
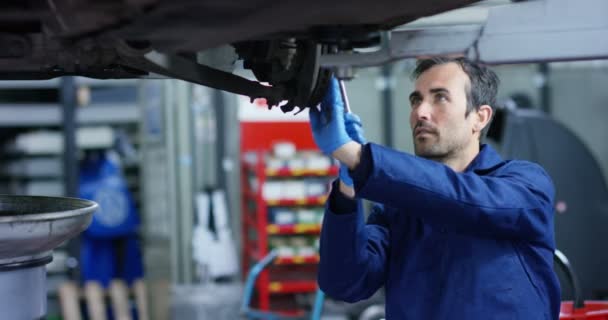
(280, 41)
(292, 47)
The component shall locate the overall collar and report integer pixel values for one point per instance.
(486, 160)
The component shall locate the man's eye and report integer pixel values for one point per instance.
(414, 102)
(441, 98)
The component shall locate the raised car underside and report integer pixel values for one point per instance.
(280, 41)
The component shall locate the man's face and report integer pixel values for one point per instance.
(439, 102)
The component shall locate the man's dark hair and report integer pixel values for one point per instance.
(483, 88)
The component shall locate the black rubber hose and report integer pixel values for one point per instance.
(565, 265)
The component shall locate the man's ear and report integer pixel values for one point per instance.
(484, 115)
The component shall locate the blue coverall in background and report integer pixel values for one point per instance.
(445, 245)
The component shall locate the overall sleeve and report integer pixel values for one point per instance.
(516, 202)
(353, 254)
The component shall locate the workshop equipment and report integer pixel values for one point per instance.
(578, 309)
(266, 315)
(581, 197)
(109, 247)
(30, 228)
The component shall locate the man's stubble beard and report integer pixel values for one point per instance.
(437, 151)
(430, 151)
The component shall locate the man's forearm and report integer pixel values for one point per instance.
(349, 154)
(347, 190)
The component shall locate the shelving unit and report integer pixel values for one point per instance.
(39, 106)
(293, 272)
(300, 228)
(49, 115)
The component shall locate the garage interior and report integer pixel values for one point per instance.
(197, 186)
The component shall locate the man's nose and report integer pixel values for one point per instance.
(423, 111)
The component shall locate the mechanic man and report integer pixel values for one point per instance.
(458, 233)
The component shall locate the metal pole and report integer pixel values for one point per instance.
(221, 136)
(387, 104)
(70, 159)
(545, 89)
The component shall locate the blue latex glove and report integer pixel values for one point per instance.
(354, 128)
(328, 127)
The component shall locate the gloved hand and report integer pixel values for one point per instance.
(354, 129)
(328, 127)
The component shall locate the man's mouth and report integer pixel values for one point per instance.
(422, 130)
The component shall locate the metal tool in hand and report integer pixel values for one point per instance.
(344, 96)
